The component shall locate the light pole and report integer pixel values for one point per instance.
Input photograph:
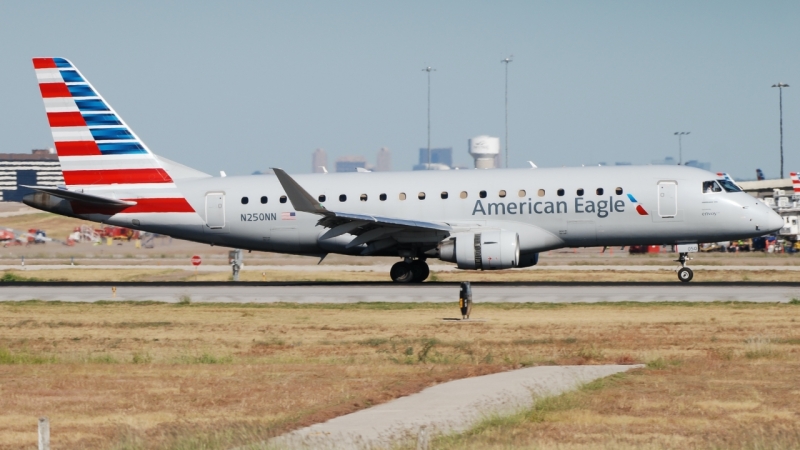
(780, 87)
(680, 148)
(506, 61)
(429, 69)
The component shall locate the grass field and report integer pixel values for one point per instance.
(149, 375)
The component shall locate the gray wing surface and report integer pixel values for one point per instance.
(381, 230)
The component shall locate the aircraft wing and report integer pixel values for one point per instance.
(80, 196)
(369, 228)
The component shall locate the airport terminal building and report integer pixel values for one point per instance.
(38, 168)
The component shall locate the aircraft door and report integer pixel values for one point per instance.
(215, 210)
(667, 199)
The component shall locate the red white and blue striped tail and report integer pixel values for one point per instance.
(795, 182)
(97, 150)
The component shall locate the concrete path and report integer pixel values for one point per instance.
(426, 292)
(449, 407)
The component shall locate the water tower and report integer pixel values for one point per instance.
(484, 150)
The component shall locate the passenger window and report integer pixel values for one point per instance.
(402, 196)
(502, 193)
(540, 193)
(245, 200)
(363, 197)
(382, 197)
(421, 196)
(283, 199)
(560, 192)
(522, 193)
(619, 191)
(463, 194)
(580, 192)
(322, 198)
(599, 191)
(444, 195)
(710, 187)
(482, 194)
(342, 198)
(264, 200)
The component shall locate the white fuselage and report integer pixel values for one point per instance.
(526, 201)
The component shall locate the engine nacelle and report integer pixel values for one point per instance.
(486, 250)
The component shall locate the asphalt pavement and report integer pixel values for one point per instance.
(388, 292)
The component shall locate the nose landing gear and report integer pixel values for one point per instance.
(410, 271)
(685, 274)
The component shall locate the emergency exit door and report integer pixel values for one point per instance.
(667, 199)
(215, 210)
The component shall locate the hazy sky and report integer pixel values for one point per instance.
(245, 85)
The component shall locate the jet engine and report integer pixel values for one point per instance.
(484, 250)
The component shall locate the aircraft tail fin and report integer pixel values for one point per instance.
(94, 145)
(97, 150)
(795, 182)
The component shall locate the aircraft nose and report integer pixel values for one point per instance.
(774, 222)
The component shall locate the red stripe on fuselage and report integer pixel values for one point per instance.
(116, 176)
(143, 205)
(77, 148)
(44, 63)
(159, 205)
(66, 119)
(54, 90)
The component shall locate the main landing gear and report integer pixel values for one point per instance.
(685, 274)
(410, 271)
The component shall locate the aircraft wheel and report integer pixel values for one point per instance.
(685, 274)
(402, 272)
(420, 271)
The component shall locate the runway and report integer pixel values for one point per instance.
(388, 292)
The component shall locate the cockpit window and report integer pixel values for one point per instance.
(729, 186)
(711, 186)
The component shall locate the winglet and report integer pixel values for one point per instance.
(300, 198)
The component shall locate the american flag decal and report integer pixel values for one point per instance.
(288, 215)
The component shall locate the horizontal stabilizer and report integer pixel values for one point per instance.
(81, 197)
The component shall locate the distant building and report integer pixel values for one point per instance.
(350, 163)
(698, 164)
(622, 163)
(384, 161)
(39, 168)
(485, 150)
(319, 159)
(432, 166)
(670, 161)
(438, 156)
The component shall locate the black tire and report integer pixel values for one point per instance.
(420, 271)
(685, 274)
(401, 272)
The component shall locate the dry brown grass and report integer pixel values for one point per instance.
(134, 274)
(210, 376)
(56, 226)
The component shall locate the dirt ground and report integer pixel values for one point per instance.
(130, 376)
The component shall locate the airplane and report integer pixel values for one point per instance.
(478, 219)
